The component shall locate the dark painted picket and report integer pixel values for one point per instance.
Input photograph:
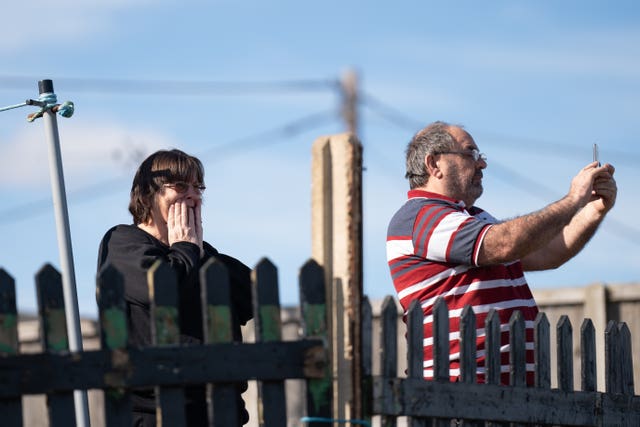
(439, 401)
(219, 363)
(11, 408)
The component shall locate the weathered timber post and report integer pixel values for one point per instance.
(596, 300)
(165, 331)
(217, 325)
(54, 338)
(114, 336)
(11, 409)
(336, 224)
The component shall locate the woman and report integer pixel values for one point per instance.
(166, 201)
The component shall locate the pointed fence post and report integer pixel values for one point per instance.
(542, 351)
(11, 409)
(218, 328)
(588, 371)
(468, 362)
(53, 328)
(415, 351)
(315, 325)
(626, 359)
(388, 352)
(564, 333)
(114, 336)
(517, 355)
(492, 346)
(165, 331)
(613, 374)
(266, 305)
(367, 361)
(441, 352)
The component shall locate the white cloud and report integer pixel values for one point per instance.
(89, 150)
(45, 22)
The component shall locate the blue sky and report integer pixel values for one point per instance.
(535, 82)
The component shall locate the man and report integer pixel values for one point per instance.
(440, 244)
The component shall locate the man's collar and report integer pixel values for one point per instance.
(412, 194)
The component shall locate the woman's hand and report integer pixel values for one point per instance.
(182, 225)
(198, 222)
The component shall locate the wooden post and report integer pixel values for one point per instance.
(314, 325)
(53, 327)
(217, 326)
(596, 299)
(272, 406)
(388, 354)
(337, 246)
(11, 409)
(114, 336)
(165, 331)
(415, 347)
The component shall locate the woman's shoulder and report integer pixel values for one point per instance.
(228, 260)
(125, 233)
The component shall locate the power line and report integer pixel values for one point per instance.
(389, 113)
(403, 121)
(288, 130)
(618, 228)
(95, 191)
(174, 87)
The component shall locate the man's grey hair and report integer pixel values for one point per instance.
(433, 139)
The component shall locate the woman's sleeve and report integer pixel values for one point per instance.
(133, 255)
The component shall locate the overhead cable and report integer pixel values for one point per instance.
(95, 191)
(174, 87)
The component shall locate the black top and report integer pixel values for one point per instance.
(132, 251)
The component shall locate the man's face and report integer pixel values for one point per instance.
(463, 174)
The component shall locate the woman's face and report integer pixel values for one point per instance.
(171, 193)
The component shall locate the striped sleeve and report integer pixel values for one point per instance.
(444, 234)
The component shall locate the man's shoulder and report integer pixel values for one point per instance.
(481, 214)
(417, 206)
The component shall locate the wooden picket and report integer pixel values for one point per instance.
(219, 363)
(11, 407)
(439, 401)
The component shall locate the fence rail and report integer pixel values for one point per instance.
(169, 367)
(441, 399)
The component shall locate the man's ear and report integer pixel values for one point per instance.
(432, 165)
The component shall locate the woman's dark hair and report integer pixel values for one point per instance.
(162, 167)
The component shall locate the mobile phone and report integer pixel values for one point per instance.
(595, 154)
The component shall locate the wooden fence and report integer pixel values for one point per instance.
(440, 401)
(219, 363)
(388, 397)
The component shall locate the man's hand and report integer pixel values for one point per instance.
(582, 185)
(605, 190)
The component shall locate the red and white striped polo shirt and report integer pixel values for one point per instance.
(432, 250)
